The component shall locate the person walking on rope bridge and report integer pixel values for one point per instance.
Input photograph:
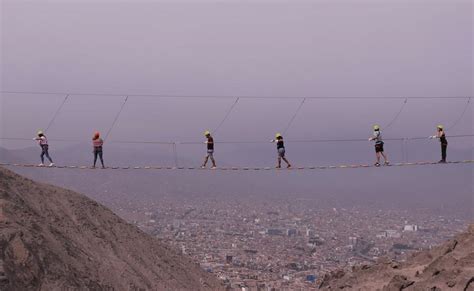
(280, 150)
(43, 143)
(210, 150)
(444, 142)
(98, 144)
(379, 150)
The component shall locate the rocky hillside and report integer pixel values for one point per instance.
(447, 267)
(55, 239)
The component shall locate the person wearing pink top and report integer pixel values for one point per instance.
(43, 143)
(98, 144)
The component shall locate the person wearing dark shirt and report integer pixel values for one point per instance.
(210, 150)
(280, 150)
(98, 145)
(441, 135)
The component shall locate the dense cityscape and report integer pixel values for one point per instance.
(263, 245)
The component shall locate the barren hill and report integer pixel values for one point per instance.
(55, 239)
(447, 267)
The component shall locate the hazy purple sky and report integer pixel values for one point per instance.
(273, 48)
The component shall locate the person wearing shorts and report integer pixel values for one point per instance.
(280, 150)
(379, 150)
(210, 151)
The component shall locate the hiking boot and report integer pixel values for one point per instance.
(377, 164)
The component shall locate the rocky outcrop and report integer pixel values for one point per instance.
(446, 267)
(55, 239)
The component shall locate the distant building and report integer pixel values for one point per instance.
(291, 232)
(410, 227)
(274, 231)
(393, 233)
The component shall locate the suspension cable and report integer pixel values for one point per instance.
(57, 113)
(294, 116)
(396, 116)
(461, 116)
(227, 115)
(116, 118)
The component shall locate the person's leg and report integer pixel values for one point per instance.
(377, 156)
(384, 155)
(286, 161)
(444, 148)
(42, 155)
(211, 156)
(101, 156)
(95, 157)
(205, 160)
(279, 161)
(47, 155)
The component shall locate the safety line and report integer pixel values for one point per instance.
(56, 113)
(244, 142)
(175, 154)
(116, 118)
(226, 115)
(461, 116)
(294, 116)
(397, 115)
(235, 96)
(351, 166)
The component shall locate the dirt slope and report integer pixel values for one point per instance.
(55, 239)
(447, 267)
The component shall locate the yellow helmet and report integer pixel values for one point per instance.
(40, 132)
(376, 127)
(207, 132)
(440, 126)
(277, 135)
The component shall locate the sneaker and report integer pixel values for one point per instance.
(213, 167)
(41, 165)
(278, 167)
(203, 167)
(442, 162)
(51, 165)
(377, 164)
(387, 163)
(289, 166)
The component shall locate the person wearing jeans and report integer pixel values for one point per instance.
(43, 143)
(444, 142)
(98, 144)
